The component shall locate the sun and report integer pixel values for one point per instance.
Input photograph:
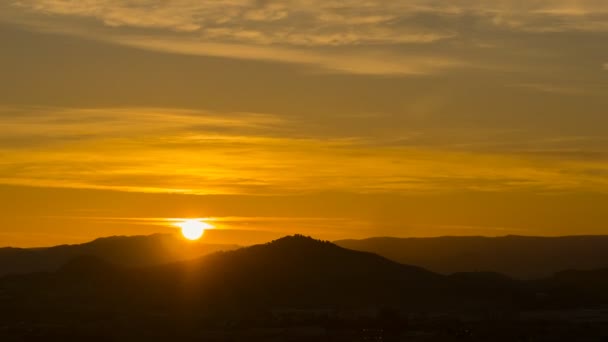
(193, 229)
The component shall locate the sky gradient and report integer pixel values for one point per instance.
(335, 119)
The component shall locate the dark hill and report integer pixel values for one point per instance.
(301, 270)
(575, 286)
(133, 251)
(516, 256)
(248, 286)
(294, 271)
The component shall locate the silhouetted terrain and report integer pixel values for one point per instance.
(120, 250)
(516, 256)
(295, 288)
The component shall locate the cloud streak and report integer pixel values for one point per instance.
(406, 37)
(176, 150)
(314, 16)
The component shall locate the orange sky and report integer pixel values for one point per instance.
(338, 120)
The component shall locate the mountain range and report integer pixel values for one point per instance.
(294, 271)
(120, 250)
(93, 297)
(515, 256)
(524, 257)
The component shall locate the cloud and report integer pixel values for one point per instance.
(329, 36)
(45, 122)
(363, 62)
(336, 36)
(314, 16)
(177, 150)
(552, 88)
(297, 22)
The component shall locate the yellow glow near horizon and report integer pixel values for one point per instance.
(193, 229)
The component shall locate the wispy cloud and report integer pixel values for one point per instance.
(296, 22)
(376, 20)
(313, 33)
(552, 88)
(110, 121)
(403, 35)
(176, 150)
(365, 62)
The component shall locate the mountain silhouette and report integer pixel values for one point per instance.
(89, 294)
(294, 271)
(301, 270)
(516, 256)
(575, 286)
(129, 251)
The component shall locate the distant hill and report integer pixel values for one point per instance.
(516, 256)
(578, 286)
(301, 271)
(121, 250)
(294, 271)
(303, 278)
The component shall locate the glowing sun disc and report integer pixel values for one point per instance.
(193, 229)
